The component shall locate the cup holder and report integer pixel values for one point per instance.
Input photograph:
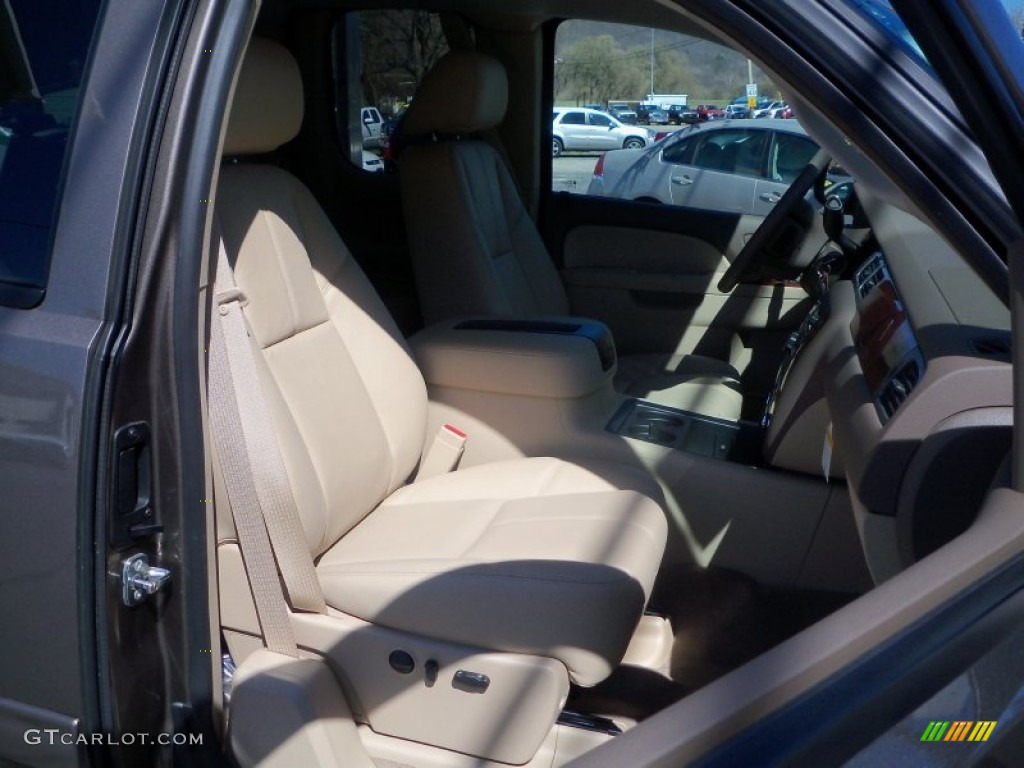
(653, 432)
(690, 432)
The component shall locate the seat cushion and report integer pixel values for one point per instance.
(689, 382)
(534, 556)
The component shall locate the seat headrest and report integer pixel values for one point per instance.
(793, 157)
(267, 109)
(465, 92)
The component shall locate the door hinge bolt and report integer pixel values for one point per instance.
(139, 579)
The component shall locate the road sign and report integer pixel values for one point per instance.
(752, 95)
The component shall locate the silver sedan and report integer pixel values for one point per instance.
(737, 166)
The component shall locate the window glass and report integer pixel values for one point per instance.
(382, 57)
(731, 151)
(679, 151)
(973, 721)
(699, 104)
(45, 45)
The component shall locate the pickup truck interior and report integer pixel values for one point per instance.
(566, 477)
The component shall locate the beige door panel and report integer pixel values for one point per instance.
(647, 250)
(657, 290)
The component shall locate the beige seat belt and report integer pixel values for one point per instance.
(258, 487)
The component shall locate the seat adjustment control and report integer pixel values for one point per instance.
(402, 662)
(470, 682)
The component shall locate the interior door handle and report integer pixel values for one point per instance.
(770, 197)
(682, 180)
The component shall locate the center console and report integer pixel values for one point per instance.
(544, 387)
(691, 432)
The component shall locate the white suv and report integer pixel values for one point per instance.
(583, 129)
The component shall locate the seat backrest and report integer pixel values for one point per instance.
(793, 153)
(474, 247)
(709, 156)
(348, 402)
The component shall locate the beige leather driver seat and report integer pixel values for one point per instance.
(476, 251)
(534, 556)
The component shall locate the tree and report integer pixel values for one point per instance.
(672, 72)
(595, 70)
(399, 48)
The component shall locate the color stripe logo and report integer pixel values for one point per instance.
(958, 730)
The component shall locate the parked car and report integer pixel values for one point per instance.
(575, 130)
(679, 114)
(623, 114)
(709, 112)
(657, 117)
(372, 162)
(716, 166)
(769, 109)
(737, 111)
(653, 487)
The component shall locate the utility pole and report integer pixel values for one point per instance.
(652, 91)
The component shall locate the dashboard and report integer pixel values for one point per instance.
(909, 378)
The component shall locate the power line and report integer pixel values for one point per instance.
(643, 52)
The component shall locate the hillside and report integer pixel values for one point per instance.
(596, 62)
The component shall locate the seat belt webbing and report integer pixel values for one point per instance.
(254, 469)
(226, 425)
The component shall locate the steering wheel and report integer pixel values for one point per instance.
(773, 222)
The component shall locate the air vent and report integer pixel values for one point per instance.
(870, 275)
(996, 346)
(898, 388)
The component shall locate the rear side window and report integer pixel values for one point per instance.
(732, 151)
(44, 46)
(380, 58)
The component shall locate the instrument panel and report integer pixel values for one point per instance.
(888, 350)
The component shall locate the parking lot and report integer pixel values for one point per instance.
(572, 172)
